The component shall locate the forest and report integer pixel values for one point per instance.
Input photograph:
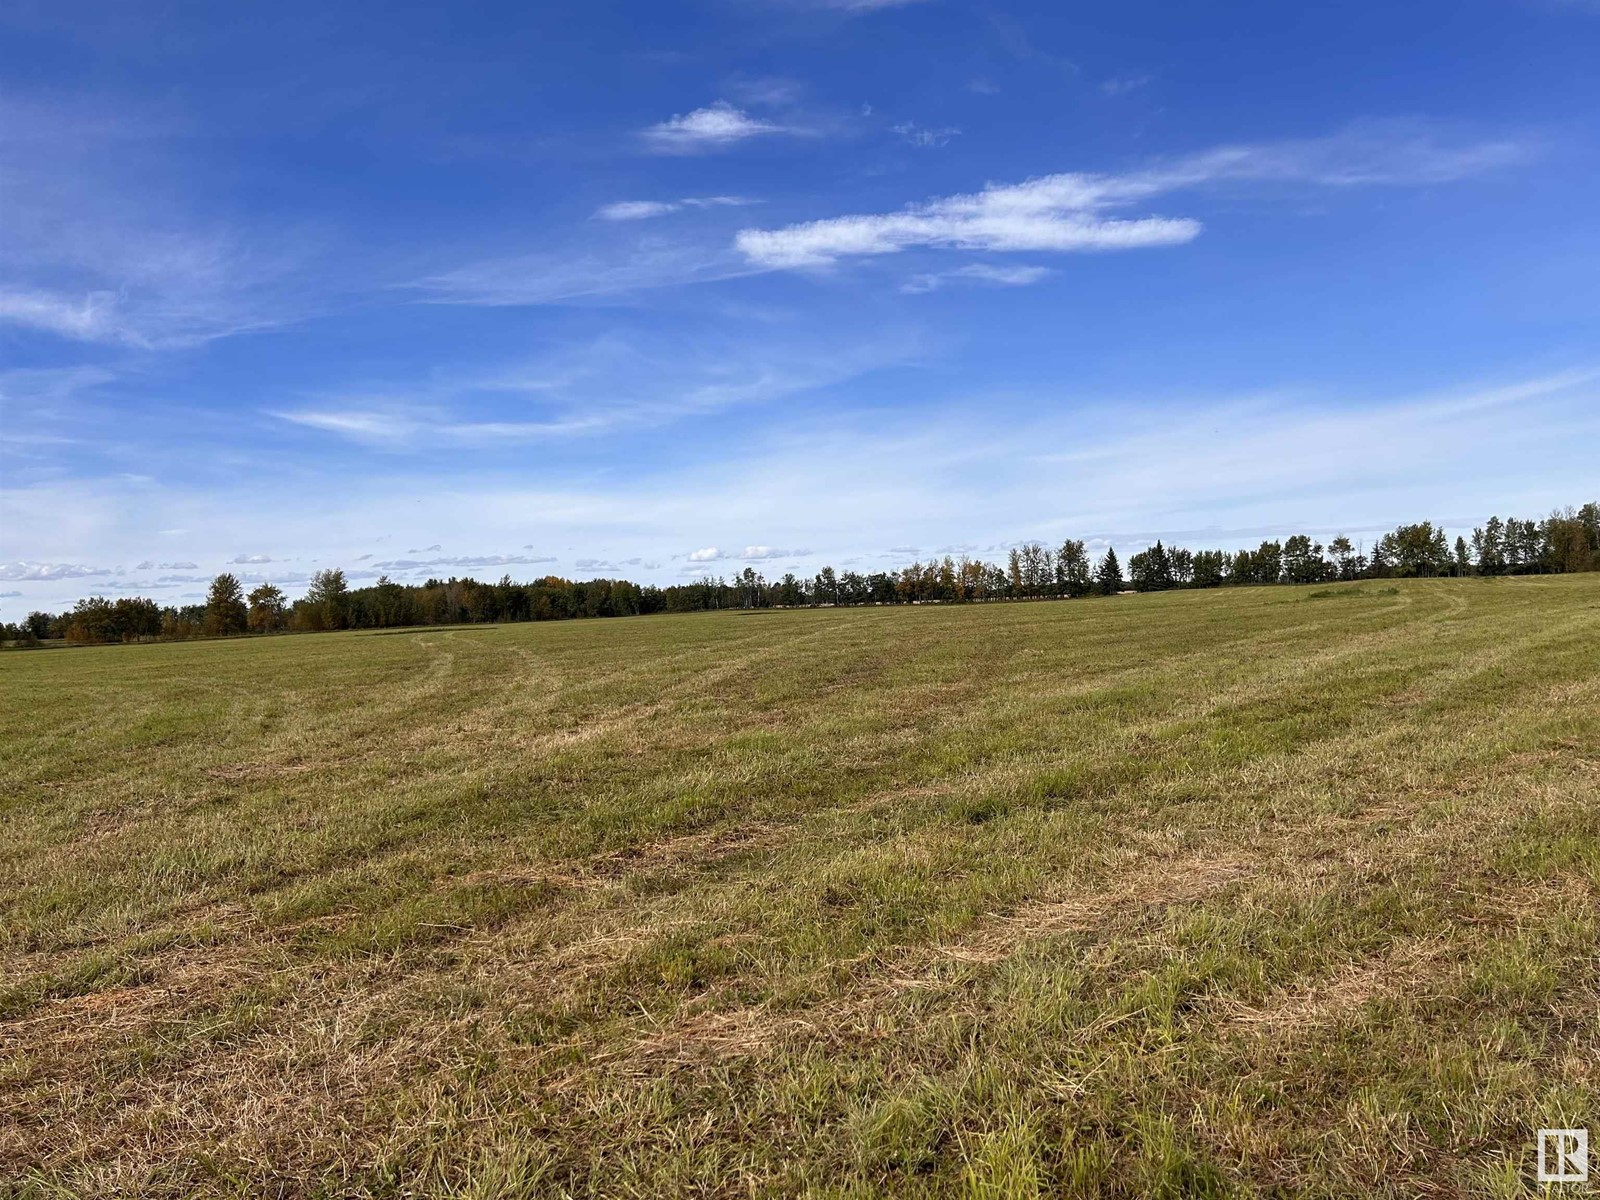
(1565, 541)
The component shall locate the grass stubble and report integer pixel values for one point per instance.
(1233, 893)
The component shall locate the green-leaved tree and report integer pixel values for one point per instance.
(225, 609)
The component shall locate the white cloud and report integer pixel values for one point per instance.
(642, 210)
(1018, 276)
(580, 274)
(714, 127)
(916, 135)
(612, 383)
(35, 572)
(1121, 85)
(250, 559)
(1068, 212)
(762, 553)
(103, 245)
(1054, 213)
(861, 6)
(717, 201)
(460, 562)
(401, 428)
(634, 210)
(94, 318)
(748, 554)
(1194, 470)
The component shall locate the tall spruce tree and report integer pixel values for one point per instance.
(1108, 578)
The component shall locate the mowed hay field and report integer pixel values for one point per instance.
(1264, 892)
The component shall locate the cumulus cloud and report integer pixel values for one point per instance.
(250, 559)
(148, 565)
(748, 554)
(1018, 276)
(37, 572)
(714, 127)
(1072, 211)
(761, 553)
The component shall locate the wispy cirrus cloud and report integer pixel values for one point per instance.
(922, 136)
(641, 210)
(1121, 85)
(406, 427)
(714, 127)
(1074, 211)
(1083, 470)
(97, 250)
(614, 383)
(588, 274)
(1001, 276)
(462, 562)
(854, 6)
(92, 318)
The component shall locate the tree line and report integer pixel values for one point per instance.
(1565, 541)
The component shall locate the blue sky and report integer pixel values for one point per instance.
(656, 289)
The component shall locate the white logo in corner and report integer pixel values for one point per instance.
(1563, 1156)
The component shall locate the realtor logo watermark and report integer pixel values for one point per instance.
(1563, 1156)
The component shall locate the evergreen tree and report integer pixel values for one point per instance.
(1109, 576)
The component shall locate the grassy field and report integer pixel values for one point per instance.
(1263, 892)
